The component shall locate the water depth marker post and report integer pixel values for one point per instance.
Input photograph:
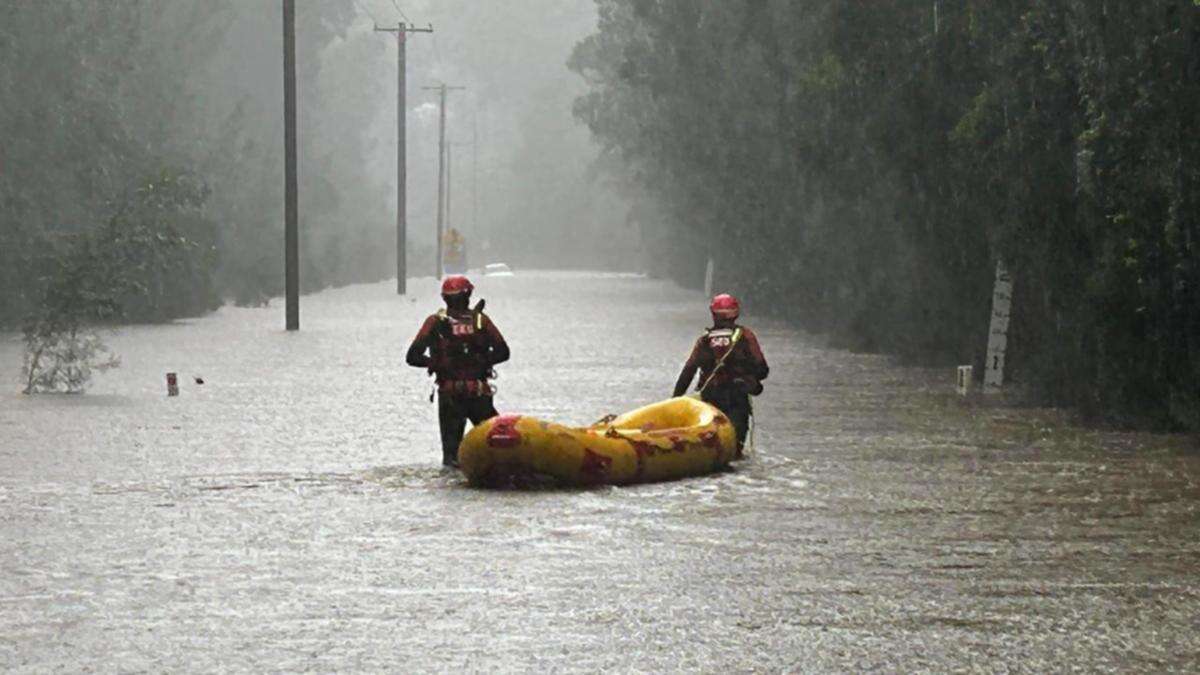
(993, 374)
(402, 30)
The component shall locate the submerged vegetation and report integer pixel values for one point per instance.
(153, 259)
(862, 166)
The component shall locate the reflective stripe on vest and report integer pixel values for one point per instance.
(724, 337)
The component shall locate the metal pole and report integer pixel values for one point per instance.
(449, 183)
(401, 164)
(291, 228)
(441, 178)
(441, 215)
(475, 174)
(402, 30)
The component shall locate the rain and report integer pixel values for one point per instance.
(599, 335)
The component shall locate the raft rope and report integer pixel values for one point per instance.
(750, 435)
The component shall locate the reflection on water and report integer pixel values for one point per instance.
(290, 514)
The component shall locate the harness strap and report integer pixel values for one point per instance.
(443, 315)
(737, 335)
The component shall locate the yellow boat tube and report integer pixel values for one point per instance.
(668, 440)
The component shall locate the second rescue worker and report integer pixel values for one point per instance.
(731, 365)
(463, 345)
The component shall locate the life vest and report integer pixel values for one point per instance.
(722, 340)
(461, 343)
(721, 343)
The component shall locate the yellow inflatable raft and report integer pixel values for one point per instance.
(672, 439)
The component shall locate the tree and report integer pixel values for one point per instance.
(861, 167)
(100, 276)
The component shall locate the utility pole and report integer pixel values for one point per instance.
(290, 211)
(475, 173)
(402, 30)
(441, 89)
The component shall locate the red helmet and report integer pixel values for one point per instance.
(725, 306)
(453, 285)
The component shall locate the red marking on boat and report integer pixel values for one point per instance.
(709, 439)
(643, 450)
(503, 433)
(678, 444)
(720, 420)
(595, 466)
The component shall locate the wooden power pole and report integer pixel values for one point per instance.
(402, 30)
(290, 210)
(475, 173)
(441, 214)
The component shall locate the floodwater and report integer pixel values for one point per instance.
(290, 513)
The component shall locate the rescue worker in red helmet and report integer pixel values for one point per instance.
(731, 365)
(462, 344)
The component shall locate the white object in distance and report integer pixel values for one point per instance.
(966, 377)
(497, 270)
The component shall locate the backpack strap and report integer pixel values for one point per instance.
(442, 315)
(733, 339)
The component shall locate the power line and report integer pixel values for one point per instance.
(367, 12)
(402, 14)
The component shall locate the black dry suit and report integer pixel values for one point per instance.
(732, 368)
(463, 346)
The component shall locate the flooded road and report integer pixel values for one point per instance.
(290, 513)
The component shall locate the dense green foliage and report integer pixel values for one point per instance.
(861, 166)
(97, 96)
(153, 258)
